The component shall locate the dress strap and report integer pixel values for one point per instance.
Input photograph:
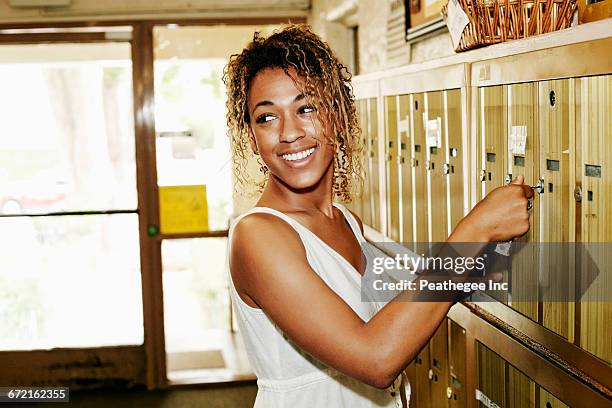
(350, 218)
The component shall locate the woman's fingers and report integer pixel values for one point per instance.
(519, 180)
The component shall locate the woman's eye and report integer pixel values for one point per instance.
(264, 118)
(307, 109)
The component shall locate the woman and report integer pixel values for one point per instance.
(296, 259)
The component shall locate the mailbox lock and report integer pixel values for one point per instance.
(539, 187)
(578, 194)
(508, 178)
(449, 392)
(430, 374)
(552, 98)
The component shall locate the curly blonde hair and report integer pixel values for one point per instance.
(297, 47)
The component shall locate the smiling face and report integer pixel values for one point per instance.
(287, 132)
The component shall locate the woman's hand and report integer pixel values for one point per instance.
(501, 216)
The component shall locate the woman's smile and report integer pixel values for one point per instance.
(300, 158)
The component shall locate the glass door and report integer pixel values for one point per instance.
(70, 266)
(194, 175)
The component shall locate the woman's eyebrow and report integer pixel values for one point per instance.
(299, 97)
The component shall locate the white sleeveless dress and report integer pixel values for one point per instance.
(286, 375)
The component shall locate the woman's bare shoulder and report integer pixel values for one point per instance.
(259, 236)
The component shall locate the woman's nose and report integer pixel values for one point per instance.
(291, 129)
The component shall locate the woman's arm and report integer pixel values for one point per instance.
(270, 269)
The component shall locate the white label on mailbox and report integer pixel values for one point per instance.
(456, 21)
(517, 140)
(486, 401)
(433, 132)
(402, 126)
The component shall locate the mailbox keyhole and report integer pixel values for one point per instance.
(590, 195)
(416, 105)
(548, 404)
(552, 98)
(452, 169)
(550, 187)
(489, 176)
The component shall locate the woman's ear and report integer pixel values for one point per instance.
(253, 141)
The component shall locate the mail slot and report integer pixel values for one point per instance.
(391, 168)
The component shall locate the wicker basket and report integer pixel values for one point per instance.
(493, 21)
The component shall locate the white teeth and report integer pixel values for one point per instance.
(299, 155)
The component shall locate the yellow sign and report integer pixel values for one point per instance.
(183, 209)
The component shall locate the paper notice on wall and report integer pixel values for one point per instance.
(433, 132)
(183, 209)
(456, 21)
(517, 140)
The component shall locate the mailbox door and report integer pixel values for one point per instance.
(374, 164)
(436, 180)
(457, 366)
(520, 389)
(391, 167)
(491, 384)
(523, 160)
(547, 400)
(418, 147)
(421, 395)
(438, 355)
(595, 176)
(405, 169)
(555, 284)
(454, 157)
(491, 150)
(356, 205)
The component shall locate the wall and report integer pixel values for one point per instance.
(371, 17)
